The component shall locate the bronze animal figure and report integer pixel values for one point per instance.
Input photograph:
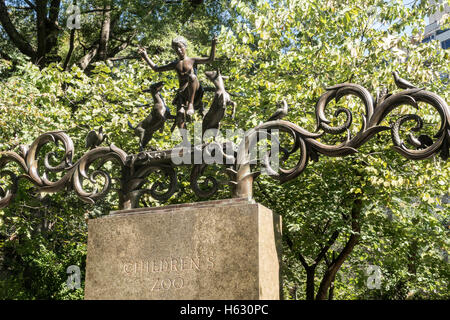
(94, 139)
(402, 83)
(280, 113)
(155, 120)
(382, 94)
(219, 104)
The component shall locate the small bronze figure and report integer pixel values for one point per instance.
(94, 139)
(402, 83)
(155, 120)
(281, 112)
(220, 101)
(190, 92)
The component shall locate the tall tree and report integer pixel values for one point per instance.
(293, 50)
(335, 213)
(108, 27)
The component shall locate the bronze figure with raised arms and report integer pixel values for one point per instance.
(190, 92)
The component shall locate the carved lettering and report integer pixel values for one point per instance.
(125, 268)
(174, 267)
(183, 264)
(197, 265)
(210, 262)
(167, 284)
(165, 265)
(156, 285)
(180, 283)
(155, 267)
(174, 263)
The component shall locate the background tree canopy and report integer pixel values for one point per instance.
(340, 216)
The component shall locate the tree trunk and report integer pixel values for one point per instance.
(41, 17)
(87, 58)
(52, 32)
(69, 53)
(16, 38)
(413, 256)
(310, 273)
(336, 264)
(331, 291)
(105, 32)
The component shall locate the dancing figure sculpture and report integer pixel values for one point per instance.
(190, 92)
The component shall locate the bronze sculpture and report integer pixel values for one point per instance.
(190, 92)
(220, 101)
(280, 113)
(94, 139)
(402, 83)
(241, 172)
(155, 120)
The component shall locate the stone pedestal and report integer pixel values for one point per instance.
(225, 249)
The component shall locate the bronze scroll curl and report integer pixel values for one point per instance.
(211, 185)
(310, 147)
(237, 164)
(133, 185)
(74, 173)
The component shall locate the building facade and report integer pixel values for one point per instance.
(434, 31)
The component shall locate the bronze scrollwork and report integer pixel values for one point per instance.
(310, 147)
(74, 174)
(236, 161)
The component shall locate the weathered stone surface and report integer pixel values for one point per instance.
(226, 249)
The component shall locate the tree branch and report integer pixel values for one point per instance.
(17, 39)
(54, 10)
(21, 8)
(129, 57)
(326, 226)
(41, 17)
(117, 49)
(325, 249)
(336, 264)
(30, 4)
(303, 261)
(86, 59)
(95, 10)
(104, 33)
(69, 53)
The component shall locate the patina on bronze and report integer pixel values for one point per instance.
(219, 104)
(190, 92)
(155, 120)
(137, 168)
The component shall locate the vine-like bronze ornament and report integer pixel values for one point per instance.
(73, 174)
(237, 162)
(310, 147)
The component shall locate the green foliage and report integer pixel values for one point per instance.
(294, 49)
(130, 23)
(271, 50)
